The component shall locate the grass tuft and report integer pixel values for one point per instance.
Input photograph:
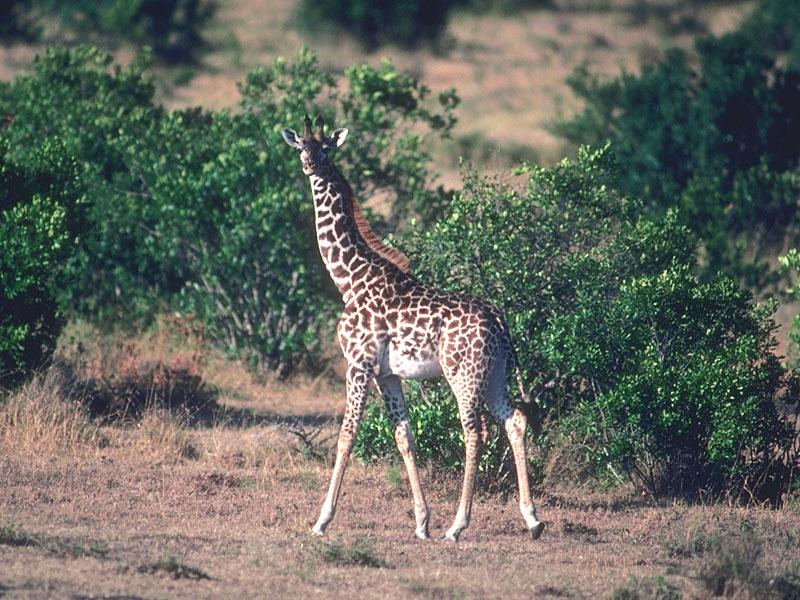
(731, 567)
(655, 588)
(40, 418)
(360, 553)
(170, 565)
(12, 535)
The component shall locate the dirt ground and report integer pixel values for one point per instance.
(221, 506)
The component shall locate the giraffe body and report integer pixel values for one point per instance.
(395, 327)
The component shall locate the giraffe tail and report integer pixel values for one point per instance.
(530, 407)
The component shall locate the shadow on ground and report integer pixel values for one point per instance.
(155, 386)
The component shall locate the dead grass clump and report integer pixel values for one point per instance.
(162, 435)
(733, 567)
(121, 379)
(688, 541)
(730, 567)
(257, 448)
(42, 417)
(150, 386)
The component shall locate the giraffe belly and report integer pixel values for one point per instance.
(410, 363)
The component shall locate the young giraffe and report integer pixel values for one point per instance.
(393, 326)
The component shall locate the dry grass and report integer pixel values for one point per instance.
(41, 419)
(170, 505)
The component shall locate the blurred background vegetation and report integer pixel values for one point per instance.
(640, 275)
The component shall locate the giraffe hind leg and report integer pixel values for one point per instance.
(466, 388)
(514, 422)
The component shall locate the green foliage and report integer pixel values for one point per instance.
(677, 384)
(714, 136)
(208, 212)
(404, 22)
(15, 21)
(34, 238)
(499, 244)
(657, 375)
(790, 264)
(775, 24)
(173, 28)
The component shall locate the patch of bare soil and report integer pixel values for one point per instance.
(163, 505)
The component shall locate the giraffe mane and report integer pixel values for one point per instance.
(393, 255)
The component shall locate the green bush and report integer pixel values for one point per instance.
(715, 136)
(775, 24)
(173, 28)
(678, 385)
(790, 264)
(510, 248)
(657, 376)
(34, 238)
(207, 211)
(16, 22)
(405, 22)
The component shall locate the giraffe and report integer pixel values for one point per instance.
(395, 327)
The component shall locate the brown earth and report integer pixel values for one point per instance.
(219, 503)
(103, 522)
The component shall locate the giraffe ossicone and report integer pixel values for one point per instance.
(394, 327)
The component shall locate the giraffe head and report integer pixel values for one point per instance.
(314, 147)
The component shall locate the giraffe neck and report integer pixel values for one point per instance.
(346, 254)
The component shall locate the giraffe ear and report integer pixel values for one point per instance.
(337, 138)
(290, 137)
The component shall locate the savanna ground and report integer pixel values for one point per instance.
(147, 468)
(216, 496)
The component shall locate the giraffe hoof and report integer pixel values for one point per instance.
(423, 535)
(536, 530)
(449, 537)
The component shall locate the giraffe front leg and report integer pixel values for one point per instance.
(392, 393)
(357, 386)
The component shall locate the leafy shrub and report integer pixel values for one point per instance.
(207, 212)
(790, 263)
(714, 136)
(678, 385)
(15, 21)
(34, 238)
(501, 245)
(661, 377)
(775, 24)
(173, 28)
(406, 22)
